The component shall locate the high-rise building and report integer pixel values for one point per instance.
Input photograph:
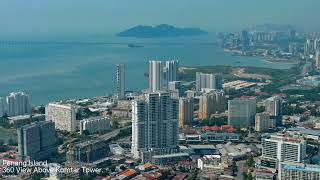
(293, 48)
(210, 103)
(279, 148)
(161, 73)
(241, 112)
(171, 70)
(154, 124)
(37, 141)
(309, 47)
(274, 108)
(185, 111)
(318, 59)
(176, 89)
(18, 103)
(156, 75)
(262, 122)
(210, 81)
(298, 171)
(3, 106)
(64, 116)
(120, 81)
(316, 44)
(94, 125)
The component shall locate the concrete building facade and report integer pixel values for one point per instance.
(210, 103)
(64, 116)
(262, 122)
(279, 148)
(120, 81)
(186, 107)
(18, 103)
(241, 112)
(154, 124)
(211, 81)
(94, 125)
(37, 141)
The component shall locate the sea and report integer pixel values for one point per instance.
(67, 66)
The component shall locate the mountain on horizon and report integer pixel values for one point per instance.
(162, 30)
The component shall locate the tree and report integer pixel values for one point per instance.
(164, 174)
(234, 168)
(250, 161)
(123, 168)
(112, 168)
(12, 143)
(247, 176)
(260, 109)
(115, 124)
(42, 110)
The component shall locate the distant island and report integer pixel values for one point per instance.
(160, 31)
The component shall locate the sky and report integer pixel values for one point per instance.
(90, 16)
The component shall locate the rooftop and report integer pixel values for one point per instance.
(314, 132)
(202, 146)
(171, 155)
(302, 167)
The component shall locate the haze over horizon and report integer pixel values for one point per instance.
(59, 16)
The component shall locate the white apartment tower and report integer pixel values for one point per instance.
(154, 123)
(94, 125)
(171, 70)
(64, 116)
(18, 103)
(161, 73)
(120, 81)
(155, 75)
(279, 148)
(210, 81)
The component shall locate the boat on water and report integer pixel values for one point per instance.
(135, 45)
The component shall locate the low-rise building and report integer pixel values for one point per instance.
(169, 158)
(264, 174)
(297, 171)
(210, 163)
(94, 125)
(25, 119)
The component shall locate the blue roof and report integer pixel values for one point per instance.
(309, 168)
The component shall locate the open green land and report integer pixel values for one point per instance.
(279, 77)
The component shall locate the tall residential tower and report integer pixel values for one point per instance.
(161, 73)
(154, 125)
(120, 81)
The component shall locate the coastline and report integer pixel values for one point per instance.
(268, 59)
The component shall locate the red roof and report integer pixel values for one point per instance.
(231, 129)
(127, 173)
(280, 95)
(226, 127)
(247, 97)
(206, 128)
(180, 176)
(215, 128)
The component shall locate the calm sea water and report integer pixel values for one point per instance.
(60, 67)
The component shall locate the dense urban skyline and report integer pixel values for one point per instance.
(170, 101)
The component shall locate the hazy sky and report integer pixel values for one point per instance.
(42, 16)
